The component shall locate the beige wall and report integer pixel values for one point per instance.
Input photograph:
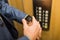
(16, 4)
(28, 8)
(54, 32)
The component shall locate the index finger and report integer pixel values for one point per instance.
(34, 20)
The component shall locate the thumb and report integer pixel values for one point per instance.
(34, 20)
(24, 22)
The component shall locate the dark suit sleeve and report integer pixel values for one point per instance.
(12, 13)
(23, 38)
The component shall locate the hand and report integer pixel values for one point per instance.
(33, 30)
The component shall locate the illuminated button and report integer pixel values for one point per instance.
(43, 11)
(46, 17)
(39, 19)
(39, 11)
(46, 20)
(46, 11)
(45, 26)
(39, 14)
(40, 8)
(46, 14)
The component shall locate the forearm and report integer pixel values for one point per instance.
(13, 13)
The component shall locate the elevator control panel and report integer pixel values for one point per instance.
(42, 13)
